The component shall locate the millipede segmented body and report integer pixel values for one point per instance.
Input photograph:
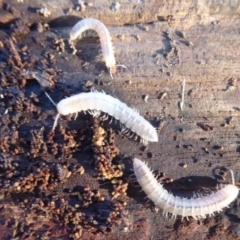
(194, 207)
(97, 102)
(105, 39)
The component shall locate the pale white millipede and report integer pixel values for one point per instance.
(105, 40)
(97, 102)
(195, 207)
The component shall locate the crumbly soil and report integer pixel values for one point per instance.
(76, 182)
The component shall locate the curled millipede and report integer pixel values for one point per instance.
(97, 102)
(193, 207)
(105, 40)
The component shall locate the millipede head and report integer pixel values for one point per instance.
(111, 71)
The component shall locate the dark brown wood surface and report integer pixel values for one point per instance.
(162, 43)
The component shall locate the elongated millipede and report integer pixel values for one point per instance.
(97, 102)
(105, 39)
(194, 207)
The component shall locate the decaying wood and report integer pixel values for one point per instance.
(169, 41)
(178, 13)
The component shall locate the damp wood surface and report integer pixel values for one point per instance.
(197, 42)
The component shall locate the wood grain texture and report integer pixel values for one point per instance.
(202, 46)
(177, 12)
